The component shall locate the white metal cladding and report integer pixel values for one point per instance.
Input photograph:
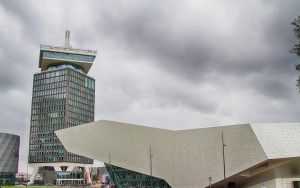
(279, 140)
(199, 154)
(9, 152)
(123, 145)
(184, 158)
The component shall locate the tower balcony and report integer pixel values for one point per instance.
(54, 56)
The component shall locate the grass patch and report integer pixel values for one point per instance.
(38, 186)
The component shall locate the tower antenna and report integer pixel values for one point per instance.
(67, 39)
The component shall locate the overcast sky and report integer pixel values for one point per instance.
(163, 63)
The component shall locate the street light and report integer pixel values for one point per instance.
(209, 179)
(27, 174)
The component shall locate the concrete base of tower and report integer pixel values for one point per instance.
(60, 173)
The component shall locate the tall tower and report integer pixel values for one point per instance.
(63, 96)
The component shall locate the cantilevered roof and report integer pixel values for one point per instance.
(185, 158)
(55, 55)
(52, 55)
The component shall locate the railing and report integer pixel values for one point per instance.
(49, 47)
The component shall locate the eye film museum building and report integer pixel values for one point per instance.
(234, 156)
(63, 96)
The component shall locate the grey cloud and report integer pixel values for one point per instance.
(190, 55)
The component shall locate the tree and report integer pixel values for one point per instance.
(296, 48)
(95, 177)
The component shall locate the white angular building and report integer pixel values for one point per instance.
(245, 155)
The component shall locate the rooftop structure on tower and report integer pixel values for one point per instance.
(52, 56)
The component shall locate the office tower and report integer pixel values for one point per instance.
(63, 96)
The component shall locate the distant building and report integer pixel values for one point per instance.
(100, 171)
(235, 156)
(23, 177)
(102, 174)
(63, 96)
(9, 158)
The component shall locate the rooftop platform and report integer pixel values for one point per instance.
(55, 55)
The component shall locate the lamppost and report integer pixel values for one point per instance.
(223, 152)
(209, 179)
(150, 158)
(27, 175)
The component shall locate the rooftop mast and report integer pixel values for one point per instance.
(67, 39)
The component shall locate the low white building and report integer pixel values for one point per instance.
(245, 155)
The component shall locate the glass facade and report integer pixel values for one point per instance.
(70, 178)
(68, 56)
(124, 178)
(9, 158)
(61, 98)
(7, 178)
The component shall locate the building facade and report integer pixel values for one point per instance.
(9, 158)
(63, 96)
(124, 178)
(234, 156)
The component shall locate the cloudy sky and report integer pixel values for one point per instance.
(169, 64)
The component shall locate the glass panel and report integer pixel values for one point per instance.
(67, 56)
(127, 178)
